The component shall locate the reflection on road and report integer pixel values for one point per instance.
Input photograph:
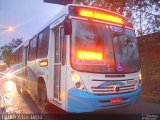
(11, 101)
(9, 86)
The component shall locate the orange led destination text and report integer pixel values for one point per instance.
(100, 16)
(89, 55)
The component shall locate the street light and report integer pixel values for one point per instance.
(8, 29)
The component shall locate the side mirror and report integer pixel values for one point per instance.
(67, 27)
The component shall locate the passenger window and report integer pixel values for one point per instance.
(16, 56)
(13, 58)
(20, 54)
(43, 43)
(32, 49)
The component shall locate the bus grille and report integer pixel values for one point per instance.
(112, 90)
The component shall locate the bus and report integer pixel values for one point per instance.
(3, 67)
(85, 59)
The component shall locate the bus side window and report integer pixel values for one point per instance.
(43, 43)
(40, 45)
(32, 49)
(20, 54)
(63, 46)
(16, 58)
(12, 61)
(13, 58)
(18, 51)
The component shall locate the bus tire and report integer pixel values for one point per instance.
(42, 96)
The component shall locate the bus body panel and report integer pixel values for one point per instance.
(88, 102)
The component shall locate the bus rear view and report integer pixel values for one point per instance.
(104, 70)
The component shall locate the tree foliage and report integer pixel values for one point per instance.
(7, 49)
(145, 14)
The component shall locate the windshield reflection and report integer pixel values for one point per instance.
(118, 46)
(126, 50)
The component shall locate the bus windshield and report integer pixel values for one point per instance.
(126, 49)
(102, 48)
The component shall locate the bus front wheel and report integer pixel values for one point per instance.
(42, 95)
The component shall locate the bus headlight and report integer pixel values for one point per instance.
(75, 77)
(78, 82)
(80, 86)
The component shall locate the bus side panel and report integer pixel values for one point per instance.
(31, 76)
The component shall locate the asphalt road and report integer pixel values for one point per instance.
(11, 102)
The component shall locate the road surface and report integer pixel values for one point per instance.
(11, 102)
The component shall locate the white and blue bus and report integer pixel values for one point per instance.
(85, 59)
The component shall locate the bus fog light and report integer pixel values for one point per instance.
(78, 84)
(83, 88)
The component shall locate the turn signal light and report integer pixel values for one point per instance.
(43, 63)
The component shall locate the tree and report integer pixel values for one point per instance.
(7, 49)
(145, 14)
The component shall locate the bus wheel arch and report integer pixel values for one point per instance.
(41, 88)
(42, 95)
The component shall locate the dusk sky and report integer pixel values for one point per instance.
(26, 16)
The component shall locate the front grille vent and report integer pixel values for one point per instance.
(112, 90)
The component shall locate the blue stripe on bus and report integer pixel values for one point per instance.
(79, 101)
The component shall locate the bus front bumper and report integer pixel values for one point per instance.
(79, 101)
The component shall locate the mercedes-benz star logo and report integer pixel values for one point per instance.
(117, 88)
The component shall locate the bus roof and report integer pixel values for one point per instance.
(64, 12)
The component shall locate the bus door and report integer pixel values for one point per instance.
(59, 69)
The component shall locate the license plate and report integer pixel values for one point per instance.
(115, 101)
